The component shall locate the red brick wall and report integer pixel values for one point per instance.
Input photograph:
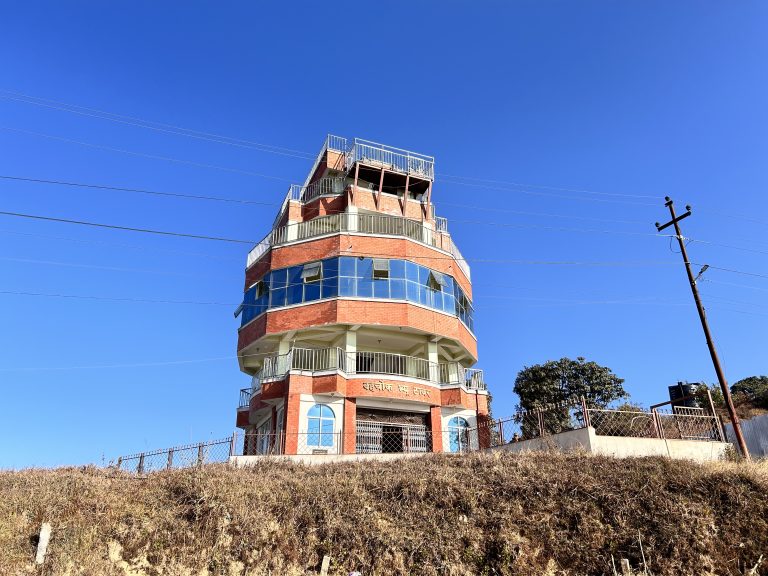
(350, 426)
(328, 247)
(436, 424)
(369, 312)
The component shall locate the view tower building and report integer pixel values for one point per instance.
(356, 324)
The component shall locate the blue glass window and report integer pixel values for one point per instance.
(346, 286)
(397, 269)
(347, 266)
(411, 271)
(320, 421)
(458, 434)
(397, 289)
(357, 277)
(381, 288)
(279, 278)
(365, 277)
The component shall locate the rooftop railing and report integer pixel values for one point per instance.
(378, 224)
(395, 159)
(352, 363)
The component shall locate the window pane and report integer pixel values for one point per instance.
(347, 266)
(411, 271)
(278, 278)
(412, 291)
(330, 267)
(347, 286)
(294, 275)
(313, 425)
(397, 289)
(422, 294)
(365, 268)
(295, 293)
(381, 288)
(365, 287)
(277, 297)
(312, 291)
(396, 269)
(326, 426)
(330, 287)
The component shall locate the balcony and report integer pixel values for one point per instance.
(351, 364)
(390, 158)
(376, 224)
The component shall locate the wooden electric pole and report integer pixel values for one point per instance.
(703, 317)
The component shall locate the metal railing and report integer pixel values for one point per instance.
(395, 159)
(575, 415)
(368, 438)
(361, 362)
(378, 224)
(245, 397)
(322, 187)
(336, 143)
(210, 452)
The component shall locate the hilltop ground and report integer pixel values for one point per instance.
(534, 514)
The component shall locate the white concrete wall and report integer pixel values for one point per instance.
(239, 461)
(622, 447)
(571, 440)
(306, 401)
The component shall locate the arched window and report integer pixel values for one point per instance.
(320, 426)
(458, 440)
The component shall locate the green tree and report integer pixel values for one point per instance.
(754, 389)
(562, 381)
(714, 390)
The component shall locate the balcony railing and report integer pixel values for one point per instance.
(351, 363)
(360, 223)
(396, 159)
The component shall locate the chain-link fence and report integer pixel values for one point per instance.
(681, 423)
(529, 424)
(214, 451)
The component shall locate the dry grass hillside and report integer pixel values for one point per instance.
(535, 514)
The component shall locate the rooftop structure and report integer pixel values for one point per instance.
(357, 320)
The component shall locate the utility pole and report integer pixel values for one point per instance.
(703, 317)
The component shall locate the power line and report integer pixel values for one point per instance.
(137, 190)
(121, 245)
(152, 125)
(578, 190)
(252, 242)
(145, 155)
(126, 228)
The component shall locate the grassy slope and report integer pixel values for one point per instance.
(533, 514)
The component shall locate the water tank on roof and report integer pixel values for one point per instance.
(681, 390)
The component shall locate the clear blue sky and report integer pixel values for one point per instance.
(632, 99)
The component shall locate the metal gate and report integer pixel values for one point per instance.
(389, 437)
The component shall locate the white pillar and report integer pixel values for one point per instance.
(432, 356)
(350, 347)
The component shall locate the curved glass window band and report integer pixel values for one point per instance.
(356, 277)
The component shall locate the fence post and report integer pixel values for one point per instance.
(169, 464)
(407, 439)
(585, 412)
(540, 416)
(140, 469)
(501, 432)
(232, 444)
(657, 424)
(119, 462)
(718, 428)
(200, 455)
